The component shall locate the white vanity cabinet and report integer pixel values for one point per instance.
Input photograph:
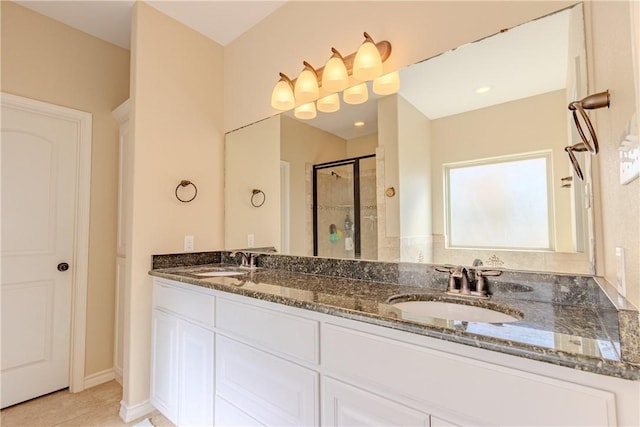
(279, 365)
(182, 354)
(266, 365)
(345, 405)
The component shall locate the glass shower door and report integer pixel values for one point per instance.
(344, 198)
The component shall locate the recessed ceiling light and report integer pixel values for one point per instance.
(359, 124)
(483, 89)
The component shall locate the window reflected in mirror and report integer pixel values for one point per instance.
(500, 202)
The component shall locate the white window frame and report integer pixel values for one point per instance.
(544, 154)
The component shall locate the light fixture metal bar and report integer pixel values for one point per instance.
(384, 47)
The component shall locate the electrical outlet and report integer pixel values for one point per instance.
(188, 243)
(250, 240)
(620, 271)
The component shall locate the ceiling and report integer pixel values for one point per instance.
(524, 61)
(221, 21)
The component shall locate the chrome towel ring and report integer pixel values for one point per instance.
(185, 183)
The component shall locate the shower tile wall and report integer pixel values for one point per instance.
(335, 202)
(368, 209)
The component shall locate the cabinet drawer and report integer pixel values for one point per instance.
(267, 388)
(450, 386)
(282, 333)
(189, 304)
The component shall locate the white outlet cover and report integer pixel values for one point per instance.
(188, 243)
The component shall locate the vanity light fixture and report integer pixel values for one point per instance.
(334, 77)
(387, 84)
(329, 104)
(305, 111)
(359, 124)
(367, 64)
(483, 89)
(356, 94)
(282, 96)
(306, 88)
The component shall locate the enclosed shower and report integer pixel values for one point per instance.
(344, 209)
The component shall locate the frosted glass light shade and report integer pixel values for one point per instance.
(307, 89)
(335, 77)
(387, 84)
(305, 111)
(367, 64)
(356, 95)
(282, 96)
(329, 104)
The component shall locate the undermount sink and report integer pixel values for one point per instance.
(220, 273)
(411, 309)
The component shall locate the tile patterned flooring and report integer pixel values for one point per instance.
(96, 406)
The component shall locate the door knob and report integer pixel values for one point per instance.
(63, 266)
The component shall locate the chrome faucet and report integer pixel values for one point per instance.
(248, 258)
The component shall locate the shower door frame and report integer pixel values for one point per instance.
(355, 161)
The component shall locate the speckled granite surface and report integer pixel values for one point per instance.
(566, 320)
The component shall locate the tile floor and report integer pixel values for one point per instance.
(97, 406)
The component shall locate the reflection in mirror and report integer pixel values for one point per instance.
(488, 103)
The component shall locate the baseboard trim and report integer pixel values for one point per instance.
(130, 413)
(99, 378)
(118, 374)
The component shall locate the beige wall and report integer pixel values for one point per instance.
(362, 146)
(249, 167)
(388, 140)
(414, 150)
(176, 123)
(302, 145)
(46, 60)
(522, 126)
(613, 69)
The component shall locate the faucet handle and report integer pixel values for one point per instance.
(451, 286)
(480, 281)
(444, 268)
(483, 273)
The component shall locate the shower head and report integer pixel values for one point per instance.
(336, 174)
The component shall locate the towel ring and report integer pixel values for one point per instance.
(591, 102)
(255, 195)
(574, 162)
(185, 183)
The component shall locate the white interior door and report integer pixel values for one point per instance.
(39, 167)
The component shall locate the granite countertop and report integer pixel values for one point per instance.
(583, 337)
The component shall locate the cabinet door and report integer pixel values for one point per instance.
(229, 416)
(269, 389)
(438, 422)
(345, 405)
(164, 364)
(195, 379)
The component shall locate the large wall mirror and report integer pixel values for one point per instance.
(465, 161)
